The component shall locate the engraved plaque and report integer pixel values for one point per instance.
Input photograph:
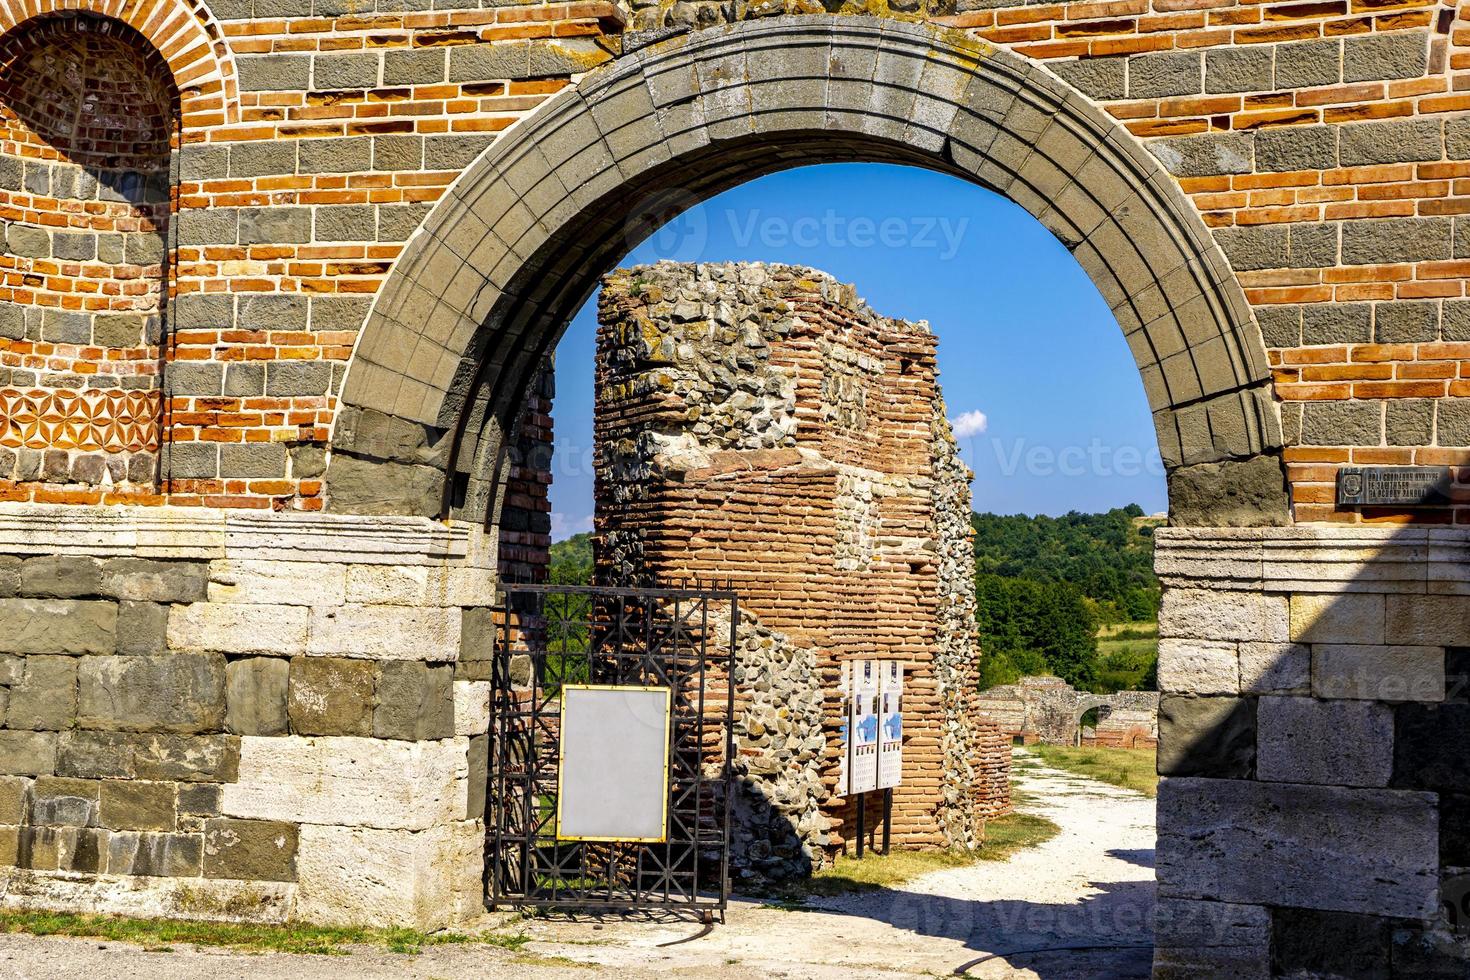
(1393, 486)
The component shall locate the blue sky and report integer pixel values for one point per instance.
(1045, 395)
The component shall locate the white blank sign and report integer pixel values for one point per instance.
(614, 777)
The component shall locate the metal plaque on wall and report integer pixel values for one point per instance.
(1394, 486)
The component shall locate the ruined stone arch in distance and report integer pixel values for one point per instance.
(517, 245)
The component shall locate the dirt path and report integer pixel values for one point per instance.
(1092, 885)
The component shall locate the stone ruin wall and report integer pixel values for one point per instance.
(759, 423)
(1049, 710)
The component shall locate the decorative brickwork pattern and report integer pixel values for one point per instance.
(761, 424)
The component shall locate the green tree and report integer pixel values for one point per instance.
(1025, 624)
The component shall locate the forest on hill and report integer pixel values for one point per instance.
(1074, 596)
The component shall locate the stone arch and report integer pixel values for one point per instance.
(89, 129)
(482, 293)
(184, 32)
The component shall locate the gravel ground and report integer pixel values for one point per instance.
(1092, 886)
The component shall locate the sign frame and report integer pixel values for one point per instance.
(561, 769)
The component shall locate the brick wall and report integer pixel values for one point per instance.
(760, 424)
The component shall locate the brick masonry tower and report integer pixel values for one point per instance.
(762, 424)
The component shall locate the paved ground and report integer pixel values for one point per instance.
(1090, 886)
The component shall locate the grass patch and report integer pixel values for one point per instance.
(158, 934)
(1005, 836)
(1135, 769)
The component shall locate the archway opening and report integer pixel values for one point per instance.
(88, 127)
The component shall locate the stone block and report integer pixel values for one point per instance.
(254, 461)
(268, 312)
(1198, 667)
(79, 849)
(471, 708)
(1428, 744)
(275, 225)
(135, 805)
(346, 223)
(1378, 673)
(15, 796)
(186, 758)
(46, 698)
(358, 70)
(199, 800)
(479, 776)
(155, 581)
(1261, 843)
(1206, 155)
(255, 695)
(1233, 493)
(1382, 56)
(1341, 743)
(1318, 943)
(385, 632)
(1308, 64)
(227, 627)
(1199, 614)
(1341, 424)
(272, 583)
(415, 702)
(1275, 668)
(1214, 736)
(267, 158)
(1395, 141)
(1355, 618)
(175, 693)
(350, 782)
(1409, 422)
(251, 850)
(1211, 939)
(142, 627)
(57, 801)
(421, 67)
(1383, 240)
(336, 156)
(1241, 69)
(309, 378)
(1427, 620)
(274, 72)
(351, 875)
(155, 855)
(95, 755)
(1297, 148)
(331, 696)
(1157, 76)
(61, 577)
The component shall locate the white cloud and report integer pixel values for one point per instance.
(969, 424)
(563, 526)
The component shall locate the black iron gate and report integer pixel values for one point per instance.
(550, 636)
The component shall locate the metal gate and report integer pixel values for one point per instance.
(549, 636)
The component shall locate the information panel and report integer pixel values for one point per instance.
(890, 728)
(872, 732)
(613, 780)
(863, 774)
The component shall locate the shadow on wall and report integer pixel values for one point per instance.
(1313, 731)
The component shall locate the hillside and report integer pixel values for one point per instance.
(1047, 586)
